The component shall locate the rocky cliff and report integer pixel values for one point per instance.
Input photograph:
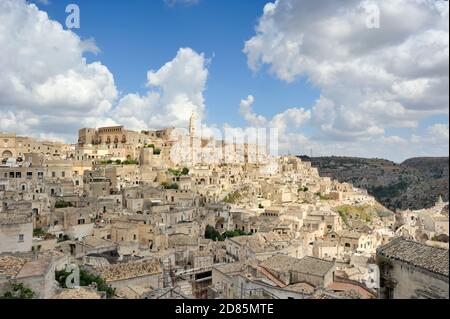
(416, 183)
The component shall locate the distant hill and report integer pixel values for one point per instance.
(416, 183)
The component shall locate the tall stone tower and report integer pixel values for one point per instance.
(192, 124)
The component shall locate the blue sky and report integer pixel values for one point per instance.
(139, 35)
(317, 71)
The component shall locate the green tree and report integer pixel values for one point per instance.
(130, 162)
(18, 291)
(38, 232)
(212, 233)
(235, 233)
(62, 204)
(86, 279)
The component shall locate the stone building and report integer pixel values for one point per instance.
(411, 270)
(16, 233)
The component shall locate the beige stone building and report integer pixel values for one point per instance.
(16, 233)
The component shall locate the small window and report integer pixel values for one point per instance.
(21, 237)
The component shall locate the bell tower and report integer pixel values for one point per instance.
(192, 127)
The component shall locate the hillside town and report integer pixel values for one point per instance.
(139, 215)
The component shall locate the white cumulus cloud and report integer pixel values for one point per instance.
(175, 91)
(44, 77)
(371, 79)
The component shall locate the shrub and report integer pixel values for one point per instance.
(177, 172)
(38, 232)
(18, 291)
(235, 233)
(86, 279)
(130, 162)
(170, 186)
(212, 233)
(105, 162)
(62, 204)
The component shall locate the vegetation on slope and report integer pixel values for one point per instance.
(416, 183)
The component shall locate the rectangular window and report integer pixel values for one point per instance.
(40, 175)
(21, 237)
(53, 174)
(18, 175)
(29, 175)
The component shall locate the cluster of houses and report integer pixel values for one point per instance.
(115, 205)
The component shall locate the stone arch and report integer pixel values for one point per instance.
(7, 154)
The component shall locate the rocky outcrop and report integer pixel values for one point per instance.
(415, 184)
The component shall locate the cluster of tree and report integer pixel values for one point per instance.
(118, 162)
(390, 190)
(156, 150)
(130, 162)
(177, 172)
(212, 233)
(62, 204)
(105, 162)
(86, 279)
(39, 232)
(166, 185)
(233, 198)
(18, 291)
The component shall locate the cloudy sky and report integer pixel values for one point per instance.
(355, 78)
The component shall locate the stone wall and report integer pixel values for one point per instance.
(413, 282)
(9, 237)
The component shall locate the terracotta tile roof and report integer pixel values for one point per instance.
(307, 265)
(129, 270)
(420, 255)
(10, 265)
(342, 286)
(77, 293)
